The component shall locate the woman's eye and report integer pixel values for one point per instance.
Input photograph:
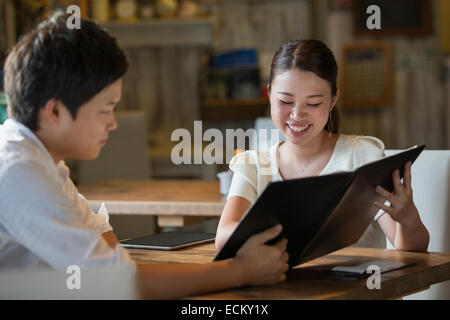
(314, 105)
(285, 102)
(105, 112)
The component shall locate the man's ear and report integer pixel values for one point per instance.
(52, 111)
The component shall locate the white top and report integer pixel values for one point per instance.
(253, 170)
(44, 221)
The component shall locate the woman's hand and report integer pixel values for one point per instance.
(260, 263)
(402, 208)
(403, 226)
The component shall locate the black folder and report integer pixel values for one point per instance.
(319, 214)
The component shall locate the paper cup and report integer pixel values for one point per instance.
(225, 178)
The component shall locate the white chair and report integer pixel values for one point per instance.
(431, 192)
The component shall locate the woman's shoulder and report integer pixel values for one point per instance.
(362, 149)
(242, 158)
(358, 142)
(253, 164)
(250, 158)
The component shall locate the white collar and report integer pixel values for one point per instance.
(25, 132)
(276, 176)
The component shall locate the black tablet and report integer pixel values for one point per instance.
(168, 240)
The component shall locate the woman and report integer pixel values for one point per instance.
(303, 96)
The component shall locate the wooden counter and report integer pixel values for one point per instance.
(174, 202)
(308, 281)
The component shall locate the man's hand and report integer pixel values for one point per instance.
(260, 263)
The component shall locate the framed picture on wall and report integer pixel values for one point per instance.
(412, 18)
(367, 75)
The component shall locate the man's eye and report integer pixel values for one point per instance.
(105, 112)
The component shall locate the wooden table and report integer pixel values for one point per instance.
(307, 281)
(174, 202)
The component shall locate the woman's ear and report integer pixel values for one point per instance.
(335, 99)
(268, 88)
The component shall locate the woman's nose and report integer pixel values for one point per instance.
(299, 111)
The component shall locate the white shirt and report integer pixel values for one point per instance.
(44, 221)
(253, 170)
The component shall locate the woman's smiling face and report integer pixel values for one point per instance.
(300, 105)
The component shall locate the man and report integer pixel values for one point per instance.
(62, 86)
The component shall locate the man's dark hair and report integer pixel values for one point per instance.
(53, 61)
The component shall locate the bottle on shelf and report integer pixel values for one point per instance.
(100, 10)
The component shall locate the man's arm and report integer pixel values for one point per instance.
(111, 238)
(254, 264)
(63, 237)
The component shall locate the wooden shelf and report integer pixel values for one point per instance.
(234, 109)
(163, 32)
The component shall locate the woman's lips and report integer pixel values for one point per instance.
(297, 129)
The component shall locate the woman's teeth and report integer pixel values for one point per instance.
(298, 129)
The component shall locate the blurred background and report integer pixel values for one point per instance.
(209, 60)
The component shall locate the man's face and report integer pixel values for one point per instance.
(87, 134)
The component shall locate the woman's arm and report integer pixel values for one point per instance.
(254, 264)
(402, 224)
(405, 237)
(234, 209)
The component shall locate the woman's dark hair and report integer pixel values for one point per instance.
(309, 55)
(53, 61)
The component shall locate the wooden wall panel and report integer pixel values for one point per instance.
(165, 80)
(263, 25)
(419, 113)
(2, 33)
